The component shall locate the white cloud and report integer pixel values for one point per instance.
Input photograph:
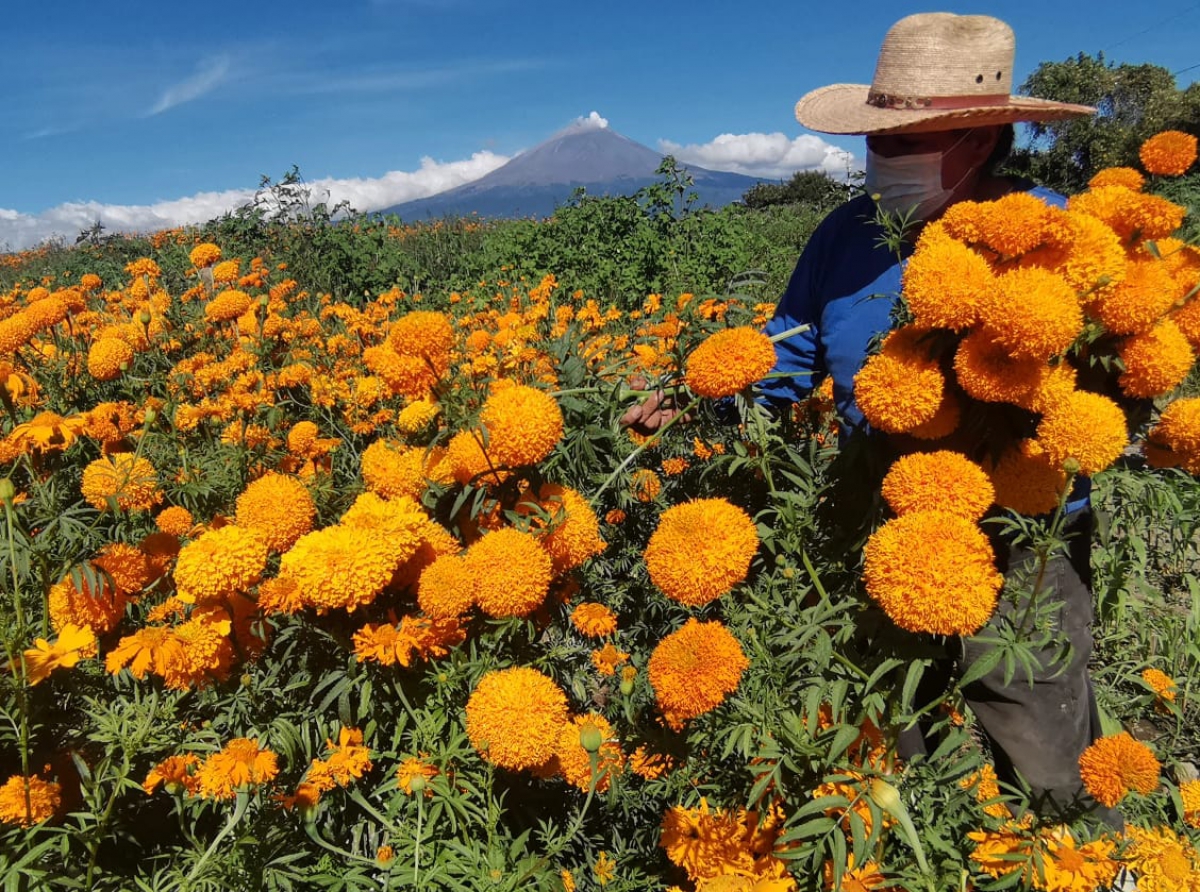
(209, 75)
(19, 231)
(772, 155)
(592, 120)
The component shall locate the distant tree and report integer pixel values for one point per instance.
(809, 187)
(1133, 102)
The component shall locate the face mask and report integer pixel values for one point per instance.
(910, 183)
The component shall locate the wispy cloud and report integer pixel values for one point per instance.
(773, 155)
(19, 231)
(210, 74)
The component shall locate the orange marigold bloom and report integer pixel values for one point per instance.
(108, 357)
(1189, 795)
(174, 774)
(470, 463)
(1156, 361)
(899, 388)
(416, 416)
(607, 659)
(1087, 427)
(414, 767)
(99, 606)
(43, 800)
(302, 437)
(1033, 313)
(131, 480)
(691, 565)
(73, 643)
(175, 520)
(650, 765)
(571, 533)
(409, 376)
(446, 587)
(338, 567)
(154, 649)
(204, 255)
(1118, 176)
(1116, 764)
(221, 563)
(240, 763)
(1016, 224)
(1162, 684)
(1175, 439)
(514, 717)
(1130, 213)
(227, 306)
(512, 572)
(1067, 867)
(277, 507)
(1026, 480)
(987, 790)
(426, 335)
(938, 480)
(932, 571)
(645, 485)
(594, 620)
(1169, 153)
(523, 425)
(708, 844)
(348, 761)
(945, 280)
(1164, 860)
(1001, 852)
(574, 760)
(729, 361)
(694, 669)
(1135, 304)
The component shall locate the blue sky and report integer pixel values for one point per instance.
(149, 113)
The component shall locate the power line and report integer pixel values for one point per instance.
(1150, 28)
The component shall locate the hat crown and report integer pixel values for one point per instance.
(939, 54)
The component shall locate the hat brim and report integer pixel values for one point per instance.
(843, 108)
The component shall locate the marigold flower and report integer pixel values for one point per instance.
(1162, 684)
(523, 425)
(1169, 153)
(1116, 764)
(278, 508)
(999, 853)
(131, 480)
(1118, 176)
(72, 644)
(175, 520)
(204, 255)
(154, 649)
(512, 572)
(938, 480)
(338, 567)
(219, 564)
(446, 587)
(98, 605)
(673, 467)
(348, 760)
(571, 535)
(409, 376)
(302, 437)
(44, 798)
(469, 461)
(1137, 303)
(694, 669)
(1189, 795)
(945, 280)
(426, 335)
(227, 306)
(416, 416)
(898, 390)
(108, 357)
(1156, 361)
(1033, 313)
(1175, 439)
(691, 565)
(645, 485)
(594, 620)
(1087, 427)
(574, 761)
(607, 659)
(729, 361)
(239, 764)
(1164, 860)
(48, 431)
(1067, 867)
(704, 842)
(175, 774)
(514, 717)
(1026, 480)
(1129, 213)
(650, 765)
(932, 571)
(987, 790)
(414, 767)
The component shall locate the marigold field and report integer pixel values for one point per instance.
(366, 587)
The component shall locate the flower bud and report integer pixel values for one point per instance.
(626, 686)
(417, 783)
(144, 317)
(151, 414)
(886, 796)
(7, 491)
(1071, 466)
(590, 737)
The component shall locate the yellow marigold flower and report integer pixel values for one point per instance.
(1187, 318)
(945, 280)
(987, 790)
(999, 853)
(226, 271)
(15, 332)
(43, 800)
(99, 607)
(227, 306)
(1118, 176)
(401, 524)
(174, 774)
(144, 266)
(1057, 381)
(899, 388)
(176, 521)
(469, 462)
(426, 335)
(932, 571)
(691, 565)
(1189, 795)
(409, 376)
(594, 620)
(90, 281)
(48, 431)
(1137, 303)
(729, 361)
(514, 717)
(574, 761)
(645, 485)
(604, 869)
(278, 508)
(348, 760)
(1067, 867)
(131, 480)
(1129, 213)
(512, 572)
(1026, 480)
(565, 524)
(523, 425)
(1175, 439)
(338, 567)
(416, 416)
(1169, 153)
(1162, 684)
(1156, 361)
(650, 765)
(239, 764)
(73, 643)
(1087, 427)
(704, 842)
(221, 563)
(694, 669)
(1084, 251)
(938, 480)
(204, 255)
(446, 587)
(1116, 764)
(607, 659)
(154, 649)
(866, 878)
(1164, 860)
(1032, 313)
(414, 767)
(302, 437)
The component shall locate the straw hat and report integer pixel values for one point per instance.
(936, 71)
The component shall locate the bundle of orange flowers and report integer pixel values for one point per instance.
(1031, 328)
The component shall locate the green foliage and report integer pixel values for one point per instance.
(808, 187)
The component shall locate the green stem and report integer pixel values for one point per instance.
(243, 800)
(311, 830)
(417, 841)
(594, 500)
(17, 658)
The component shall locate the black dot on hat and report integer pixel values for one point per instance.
(999, 74)
(979, 78)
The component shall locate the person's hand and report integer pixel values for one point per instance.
(652, 413)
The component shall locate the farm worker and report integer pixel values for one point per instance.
(938, 120)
